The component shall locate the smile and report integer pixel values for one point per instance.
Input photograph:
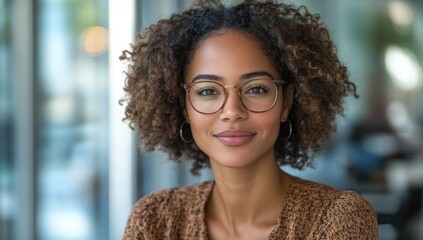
(235, 138)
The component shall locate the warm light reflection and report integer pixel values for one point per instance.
(94, 40)
(400, 13)
(403, 68)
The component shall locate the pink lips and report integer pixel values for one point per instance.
(234, 138)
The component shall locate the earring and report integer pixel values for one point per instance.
(181, 133)
(289, 132)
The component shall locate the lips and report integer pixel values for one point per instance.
(234, 138)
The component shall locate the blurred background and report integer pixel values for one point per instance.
(70, 168)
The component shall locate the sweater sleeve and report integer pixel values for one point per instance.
(133, 229)
(150, 217)
(171, 214)
(348, 216)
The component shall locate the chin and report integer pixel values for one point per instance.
(233, 160)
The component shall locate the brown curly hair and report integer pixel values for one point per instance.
(291, 37)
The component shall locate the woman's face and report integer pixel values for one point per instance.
(233, 136)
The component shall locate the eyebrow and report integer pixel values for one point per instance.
(256, 74)
(206, 77)
(245, 76)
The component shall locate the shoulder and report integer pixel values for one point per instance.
(336, 214)
(168, 198)
(349, 215)
(165, 208)
(312, 194)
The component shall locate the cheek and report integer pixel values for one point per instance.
(199, 122)
(271, 126)
(271, 122)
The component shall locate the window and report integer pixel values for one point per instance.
(71, 122)
(7, 166)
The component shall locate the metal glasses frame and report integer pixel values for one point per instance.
(276, 83)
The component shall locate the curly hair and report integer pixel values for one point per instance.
(294, 39)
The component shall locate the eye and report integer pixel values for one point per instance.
(206, 90)
(256, 89)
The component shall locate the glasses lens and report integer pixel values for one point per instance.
(259, 95)
(206, 97)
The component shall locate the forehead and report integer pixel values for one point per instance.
(229, 54)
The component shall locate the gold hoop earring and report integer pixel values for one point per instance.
(290, 131)
(181, 133)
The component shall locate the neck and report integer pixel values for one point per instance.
(248, 196)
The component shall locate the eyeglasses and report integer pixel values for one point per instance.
(257, 95)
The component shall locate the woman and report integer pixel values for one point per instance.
(242, 89)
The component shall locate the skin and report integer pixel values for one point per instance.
(249, 189)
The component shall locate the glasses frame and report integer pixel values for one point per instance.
(276, 83)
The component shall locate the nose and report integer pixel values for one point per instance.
(233, 109)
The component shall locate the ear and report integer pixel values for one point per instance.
(186, 117)
(288, 95)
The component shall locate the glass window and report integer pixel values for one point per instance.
(72, 134)
(7, 195)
